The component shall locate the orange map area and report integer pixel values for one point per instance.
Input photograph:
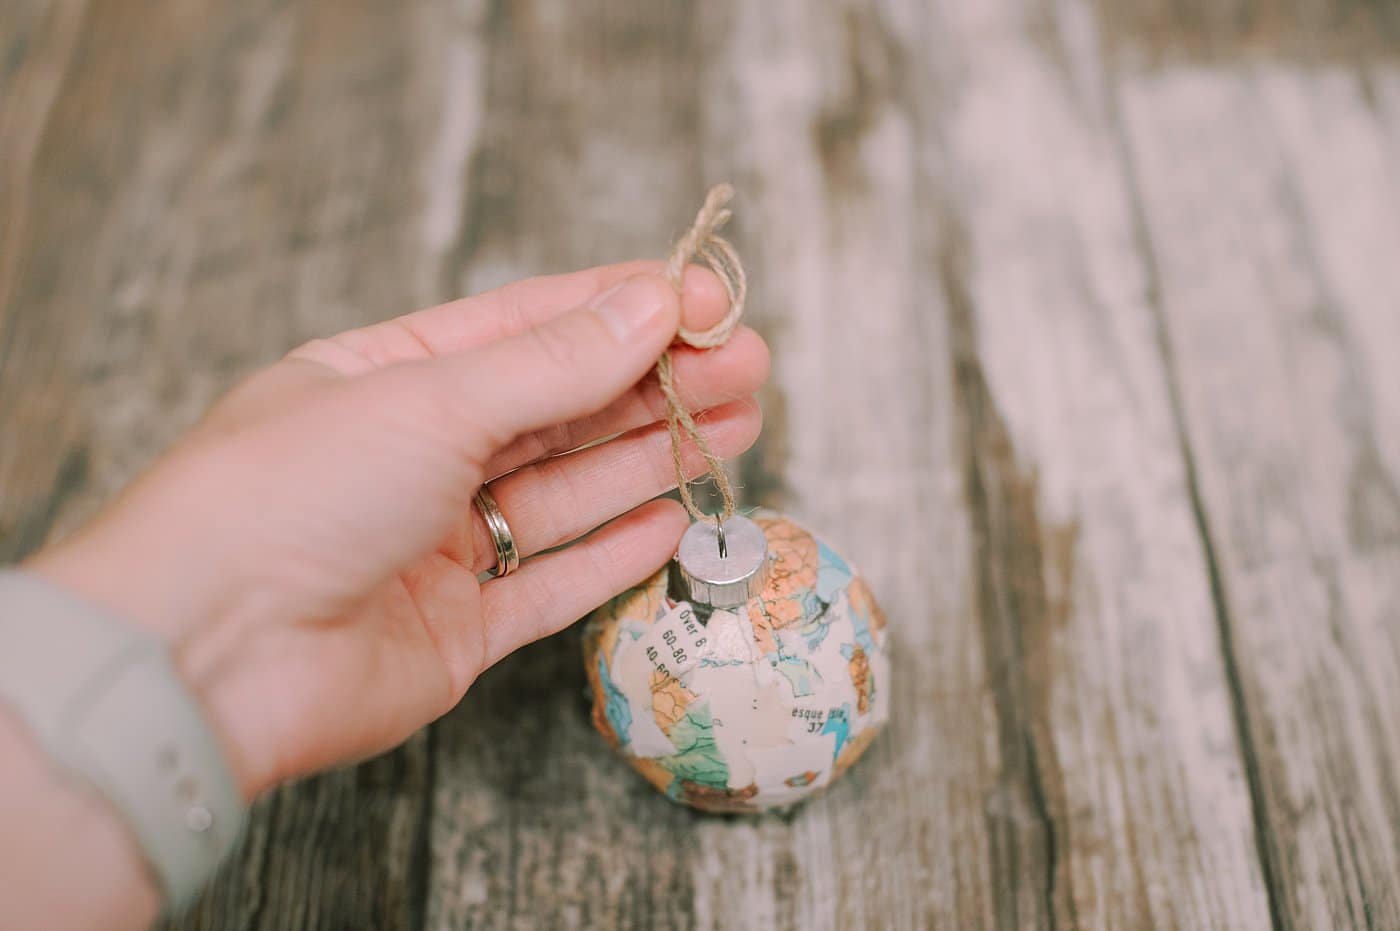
(853, 749)
(792, 575)
(669, 700)
(861, 679)
(639, 604)
(712, 799)
(863, 603)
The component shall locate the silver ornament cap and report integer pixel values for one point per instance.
(723, 566)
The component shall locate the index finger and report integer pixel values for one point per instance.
(472, 322)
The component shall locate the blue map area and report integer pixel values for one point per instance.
(619, 715)
(839, 723)
(814, 631)
(799, 673)
(711, 661)
(861, 623)
(833, 574)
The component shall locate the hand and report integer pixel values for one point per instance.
(312, 548)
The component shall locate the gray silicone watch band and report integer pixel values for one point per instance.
(104, 700)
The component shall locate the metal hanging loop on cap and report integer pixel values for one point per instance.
(723, 565)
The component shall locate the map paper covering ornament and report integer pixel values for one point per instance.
(754, 669)
(750, 705)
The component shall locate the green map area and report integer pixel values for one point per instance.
(697, 758)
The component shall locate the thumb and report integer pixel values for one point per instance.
(571, 366)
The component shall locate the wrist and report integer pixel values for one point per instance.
(57, 829)
(137, 559)
(98, 568)
(213, 672)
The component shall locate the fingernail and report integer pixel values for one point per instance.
(631, 305)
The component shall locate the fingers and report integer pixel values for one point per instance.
(557, 500)
(705, 379)
(472, 322)
(563, 369)
(552, 591)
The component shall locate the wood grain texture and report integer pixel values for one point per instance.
(1089, 547)
(36, 47)
(1083, 318)
(965, 299)
(37, 40)
(1278, 297)
(1230, 32)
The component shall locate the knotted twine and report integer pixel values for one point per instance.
(702, 241)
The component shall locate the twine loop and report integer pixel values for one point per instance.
(702, 241)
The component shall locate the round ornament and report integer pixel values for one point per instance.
(746, 675)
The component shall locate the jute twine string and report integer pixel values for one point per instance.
(702, 241)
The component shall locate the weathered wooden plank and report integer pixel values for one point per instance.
(208, 192)
(37, 39)
(1340, 32)
(1276, 240)
(944, 238)
(1127, 698)
(587, 154)
(36, 44)
(810, 106)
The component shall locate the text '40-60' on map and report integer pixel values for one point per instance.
(748, 707)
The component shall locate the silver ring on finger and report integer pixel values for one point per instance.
(507, 554)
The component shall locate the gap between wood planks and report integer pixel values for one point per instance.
(1265, 844)
(1011, 599)
(1264, 840)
